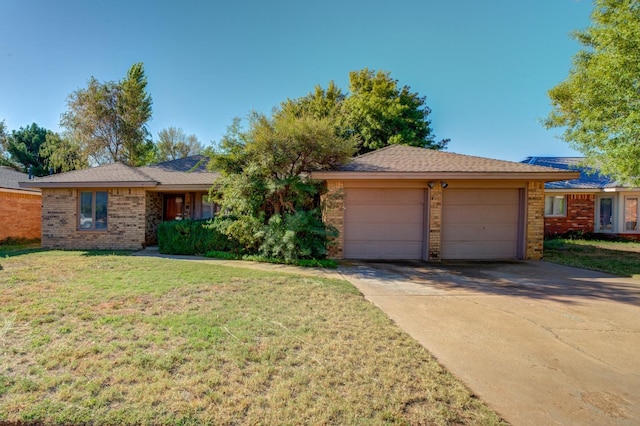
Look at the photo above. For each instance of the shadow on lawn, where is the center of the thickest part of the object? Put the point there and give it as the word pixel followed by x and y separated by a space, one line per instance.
pixel 536 280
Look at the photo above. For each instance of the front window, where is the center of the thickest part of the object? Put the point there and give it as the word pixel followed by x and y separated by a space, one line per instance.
pixel 208 207
pixel 631 214
pixel 93 211
pixel 605 212
pixel 555 205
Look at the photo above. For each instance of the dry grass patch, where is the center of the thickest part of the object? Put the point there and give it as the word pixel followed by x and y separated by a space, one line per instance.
pixel 112 339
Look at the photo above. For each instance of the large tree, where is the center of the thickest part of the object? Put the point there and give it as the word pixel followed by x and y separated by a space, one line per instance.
pixel 265 186
pixel 376 110
pixel 174 143
pixel 23 149
pixel 598 105
pixel 109 120
pixel 4 155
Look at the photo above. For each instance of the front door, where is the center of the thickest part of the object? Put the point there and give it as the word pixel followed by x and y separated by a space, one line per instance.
pixel 173 207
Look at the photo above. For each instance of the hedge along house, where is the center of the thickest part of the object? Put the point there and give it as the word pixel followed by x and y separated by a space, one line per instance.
pixel 115 206
pixel 591 203
pixel 403 202
pixel 20 208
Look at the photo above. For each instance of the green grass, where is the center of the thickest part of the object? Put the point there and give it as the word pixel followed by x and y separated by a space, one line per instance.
pixel 614 257
pixel 106 338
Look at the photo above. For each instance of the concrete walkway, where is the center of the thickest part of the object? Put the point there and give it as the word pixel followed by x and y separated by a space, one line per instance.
pixel 542 344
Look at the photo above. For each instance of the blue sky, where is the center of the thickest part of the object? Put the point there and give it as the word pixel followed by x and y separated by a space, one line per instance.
pixel 484 66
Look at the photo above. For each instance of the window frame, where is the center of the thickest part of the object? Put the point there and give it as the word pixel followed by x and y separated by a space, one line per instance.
pixel 553 204
pixel 637 222
pixel 612 214
pixel 94 212
pixel 209 205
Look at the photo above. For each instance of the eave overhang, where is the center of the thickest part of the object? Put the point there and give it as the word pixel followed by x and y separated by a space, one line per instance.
pixel 537 176
pixel 100 184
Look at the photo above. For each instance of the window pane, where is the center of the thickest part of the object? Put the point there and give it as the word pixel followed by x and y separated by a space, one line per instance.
pixel 548 205
pixel 101 210
pixel 86 210
pixel 606 214
pixel 559 207
pixel 630 214
pixel 207 207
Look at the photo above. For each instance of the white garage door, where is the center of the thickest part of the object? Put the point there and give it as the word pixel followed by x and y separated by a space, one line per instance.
pixel 480 224
pixel 384 223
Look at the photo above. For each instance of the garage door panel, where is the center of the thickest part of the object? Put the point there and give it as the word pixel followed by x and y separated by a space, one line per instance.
pixel 387 232
pixel 385 196
pixel 379 250
pixel 384 214
pixel 479 232
pixel 483 250
pixel 384 223
pixel 480 223
pixel 482 214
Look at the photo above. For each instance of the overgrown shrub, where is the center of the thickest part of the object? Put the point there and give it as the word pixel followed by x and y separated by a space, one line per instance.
pixel 300 235
pixel 191 237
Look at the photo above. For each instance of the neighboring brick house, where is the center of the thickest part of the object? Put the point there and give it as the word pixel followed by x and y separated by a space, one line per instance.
pixel 119 207
pixel 403 202
pixel 19 207
pixel 592 203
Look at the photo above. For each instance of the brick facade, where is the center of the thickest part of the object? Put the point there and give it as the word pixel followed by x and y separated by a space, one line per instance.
pixel 535 221
pixel 333 215
pixel 126 220
pixel 20 215
pixel 580 216
pixel 153 217
pixel 435 222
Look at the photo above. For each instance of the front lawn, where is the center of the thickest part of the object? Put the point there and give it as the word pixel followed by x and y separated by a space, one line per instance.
pixel 614 257
pixel 105 338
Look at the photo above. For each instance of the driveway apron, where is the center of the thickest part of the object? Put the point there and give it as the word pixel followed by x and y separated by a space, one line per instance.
pixel 540 343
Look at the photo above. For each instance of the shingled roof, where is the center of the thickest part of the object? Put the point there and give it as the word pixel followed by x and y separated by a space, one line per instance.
pixel 589 178
pixel 185 172
pixel 401 161
pixel 10 179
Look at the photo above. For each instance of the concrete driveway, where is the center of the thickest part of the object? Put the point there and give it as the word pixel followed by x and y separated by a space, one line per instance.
pixel 540 343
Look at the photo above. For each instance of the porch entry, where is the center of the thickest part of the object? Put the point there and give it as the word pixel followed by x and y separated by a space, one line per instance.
pixel 190 205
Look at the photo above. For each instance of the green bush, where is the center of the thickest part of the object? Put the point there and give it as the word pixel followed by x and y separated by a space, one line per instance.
pixel 191 237
pixel 301 235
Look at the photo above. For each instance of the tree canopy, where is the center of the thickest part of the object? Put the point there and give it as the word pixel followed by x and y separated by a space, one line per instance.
pixel 108 121
pixel 173 143
pixel 23 147
pixel 377 111
pixel 598 105
pixel 265 186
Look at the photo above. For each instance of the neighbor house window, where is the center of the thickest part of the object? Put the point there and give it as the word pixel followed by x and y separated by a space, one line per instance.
pixel 631 214
pixel 555 205
pixel 605 214
pixel 93 210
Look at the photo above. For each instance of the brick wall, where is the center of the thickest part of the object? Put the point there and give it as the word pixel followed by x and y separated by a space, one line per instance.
pixel 435 222
pixel 580 216
pixel 153 217
pixel 333 215
pixel 126 221
pixel 20 215
pixel 535 221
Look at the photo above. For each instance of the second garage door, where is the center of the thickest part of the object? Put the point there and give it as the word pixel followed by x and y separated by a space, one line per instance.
pixel 384 223
pixel 481 224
